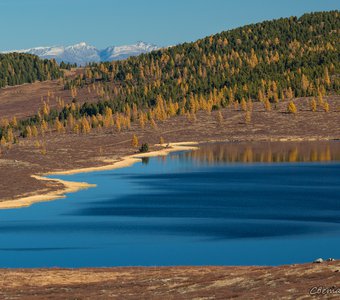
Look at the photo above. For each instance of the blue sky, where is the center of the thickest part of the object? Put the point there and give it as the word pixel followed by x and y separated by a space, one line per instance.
pixel 30 23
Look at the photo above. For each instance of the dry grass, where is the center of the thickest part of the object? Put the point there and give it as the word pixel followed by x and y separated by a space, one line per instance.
pixel 284 282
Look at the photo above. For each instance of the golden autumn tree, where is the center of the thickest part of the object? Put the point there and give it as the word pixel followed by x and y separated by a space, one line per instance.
pixel 243 104
pixel 267 105
pixel 118 123
pixel 219 118
pixel 108 120
pixel 14 122
pixel 28 131
pixel 289 93
pixel 247 117
pixel 70 121
pixel 58 126
pixel 291 108
pixel 320 98
pixel 313 105
pixel 43 127
pixel 304 83
pixel 142 120
pixel 326 106
pixel 85 125
pixel 45 109
pixel 76 128
pixel 10 136
pixel 327 78
pixel 249 105
pixel 34 131
pixel 134 141
pixel 153 124
pixel 3 141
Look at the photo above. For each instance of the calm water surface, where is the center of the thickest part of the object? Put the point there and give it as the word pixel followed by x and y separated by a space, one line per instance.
pixel 239 204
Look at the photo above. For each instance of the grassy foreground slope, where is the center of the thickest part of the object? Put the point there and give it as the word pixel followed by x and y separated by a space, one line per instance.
pixel 283 282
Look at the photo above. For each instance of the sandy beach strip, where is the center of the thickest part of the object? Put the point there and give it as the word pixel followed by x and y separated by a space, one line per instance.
pixel 72 187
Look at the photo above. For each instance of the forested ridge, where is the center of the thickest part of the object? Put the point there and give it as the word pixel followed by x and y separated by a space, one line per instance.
pixel 285 57
pixel 268 62
pixel 19 68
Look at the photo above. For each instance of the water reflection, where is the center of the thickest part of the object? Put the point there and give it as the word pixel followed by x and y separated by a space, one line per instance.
pixel 145 160
pixel 273 152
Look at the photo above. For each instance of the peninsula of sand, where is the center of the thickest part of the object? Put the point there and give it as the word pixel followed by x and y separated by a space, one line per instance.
pixel 72 187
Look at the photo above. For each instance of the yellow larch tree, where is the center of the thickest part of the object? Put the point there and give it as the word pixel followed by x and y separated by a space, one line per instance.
pixel 142 120
pixel 3 141
pixel 58 126
pixel 134 141
pixel 247 117
pixel 327 78
pixel 326 106
pixel 153 124
pixel 313 105
pixel 243 104
pixel 34 131
pixel 267 105
pixel 10 136
pixel 291 108
pixel 85 125
pixel 219 118
pixel 43 127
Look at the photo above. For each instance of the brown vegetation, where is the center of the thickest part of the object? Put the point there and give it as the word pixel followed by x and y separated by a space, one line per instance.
pixel 283 282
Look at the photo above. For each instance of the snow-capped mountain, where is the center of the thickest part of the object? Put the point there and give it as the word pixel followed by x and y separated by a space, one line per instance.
pixel 82 53
pixel 123 52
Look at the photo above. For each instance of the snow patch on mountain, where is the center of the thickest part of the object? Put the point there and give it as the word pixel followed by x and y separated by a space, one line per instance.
pixel 82 53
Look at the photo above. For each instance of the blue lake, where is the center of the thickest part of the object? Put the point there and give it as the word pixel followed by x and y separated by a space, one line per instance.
pixel 246 204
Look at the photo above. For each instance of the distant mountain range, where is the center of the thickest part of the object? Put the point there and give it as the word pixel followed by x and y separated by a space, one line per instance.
pixel 82 53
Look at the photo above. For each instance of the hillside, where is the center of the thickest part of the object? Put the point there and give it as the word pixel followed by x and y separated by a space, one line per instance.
pixel 20 68
pixel 278 59
pixel 268 62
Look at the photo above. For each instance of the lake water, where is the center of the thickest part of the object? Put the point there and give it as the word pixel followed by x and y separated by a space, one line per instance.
pixel 224 204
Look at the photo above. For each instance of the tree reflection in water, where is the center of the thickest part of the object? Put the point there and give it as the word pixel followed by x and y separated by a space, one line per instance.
pixel 265 152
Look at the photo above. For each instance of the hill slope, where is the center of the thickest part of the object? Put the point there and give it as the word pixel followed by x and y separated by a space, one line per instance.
pixel 20 68
pixel 273 60
pixel 267 62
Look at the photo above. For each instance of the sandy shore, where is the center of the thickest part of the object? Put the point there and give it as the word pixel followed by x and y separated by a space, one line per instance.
pixel 72 187
pixel 69 187
pixel 129 160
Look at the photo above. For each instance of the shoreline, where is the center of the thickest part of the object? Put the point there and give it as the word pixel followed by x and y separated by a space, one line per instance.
pixel 73 187
pixel 125 161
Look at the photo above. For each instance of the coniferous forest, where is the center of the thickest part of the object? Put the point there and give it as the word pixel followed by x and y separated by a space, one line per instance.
pixel 286 57
pixel 19 68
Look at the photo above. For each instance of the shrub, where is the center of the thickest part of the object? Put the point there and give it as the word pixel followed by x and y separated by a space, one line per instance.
pixel 144 148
